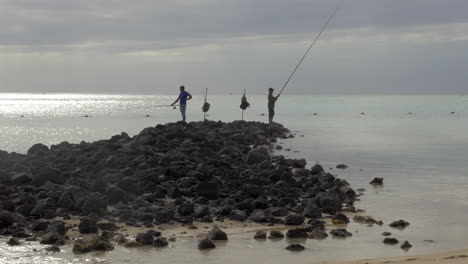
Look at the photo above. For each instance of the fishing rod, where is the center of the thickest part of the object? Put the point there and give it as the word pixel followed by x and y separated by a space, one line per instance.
pixel 151 106
pixel 310 47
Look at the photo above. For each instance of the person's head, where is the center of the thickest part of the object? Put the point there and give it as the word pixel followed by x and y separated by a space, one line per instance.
pixel 270 90
pixel 182 88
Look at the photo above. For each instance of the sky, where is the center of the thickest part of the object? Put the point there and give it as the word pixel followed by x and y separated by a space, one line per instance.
pixel 154 46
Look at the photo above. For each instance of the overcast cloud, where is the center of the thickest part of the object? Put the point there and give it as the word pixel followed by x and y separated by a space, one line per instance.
pixel 151 46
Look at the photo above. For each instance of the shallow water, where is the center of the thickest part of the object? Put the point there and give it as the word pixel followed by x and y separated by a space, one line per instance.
pixel 422 157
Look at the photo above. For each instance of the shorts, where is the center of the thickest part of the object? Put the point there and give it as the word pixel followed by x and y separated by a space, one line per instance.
pixel 183 108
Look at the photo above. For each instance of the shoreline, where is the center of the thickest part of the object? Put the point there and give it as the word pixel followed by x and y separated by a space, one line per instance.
pixel 446 257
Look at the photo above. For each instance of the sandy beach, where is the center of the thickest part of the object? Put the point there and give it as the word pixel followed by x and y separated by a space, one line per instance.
pixel 448 257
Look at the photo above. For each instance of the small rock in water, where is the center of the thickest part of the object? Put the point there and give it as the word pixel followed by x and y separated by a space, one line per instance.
pixel 206 244
pixel 340 233
pixel 297 233
pixel 217 234
pixel 276 235
pixel 52 249
pixel 144 238
pixel 386 234
pixel 295 247
pixel 340 219
pixel 406 245
pixel 390 241
pixel 377 181
pixel 160 242
pixel 401 224
pixel 13 242
pixel 341 166
pixel 318 233
pixel 260 235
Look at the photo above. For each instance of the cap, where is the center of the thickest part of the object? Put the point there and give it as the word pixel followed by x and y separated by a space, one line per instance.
pixel 270 89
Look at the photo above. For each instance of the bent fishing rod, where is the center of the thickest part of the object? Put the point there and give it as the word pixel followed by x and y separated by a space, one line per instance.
pixel 151 106
pixel 310 47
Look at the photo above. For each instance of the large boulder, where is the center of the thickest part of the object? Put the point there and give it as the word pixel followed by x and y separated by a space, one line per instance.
pixel 208 189
pixel 257 155
pixel 6 219
pixel 217 234
pixel 295 219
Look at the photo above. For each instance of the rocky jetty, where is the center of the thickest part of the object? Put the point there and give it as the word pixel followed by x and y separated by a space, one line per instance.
pixel 173 173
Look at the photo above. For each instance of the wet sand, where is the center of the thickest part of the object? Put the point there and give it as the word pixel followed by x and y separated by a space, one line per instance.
pixel 449 257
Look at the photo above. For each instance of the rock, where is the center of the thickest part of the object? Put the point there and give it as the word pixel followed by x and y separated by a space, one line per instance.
pixel 237 215
pixel 275 235
pixel 295 247
pixel 56 227
pixel 21 178
pixel 295 219
pixel 341 166
pixel 6 219
pixel 52 239
pixel 217 234
pixel 377 181
pixel 53 248
pixel 160 242
pixel 401 224
pixel 364 219
pixel 13 242
pixel 316 169
pixel 406 245
pixel 88 226
pixel 318 233
pixel 208 189
pixel 206 244
pixel 390 241
pixel 144 238
pixel 257 156
pixel 80 248
pixel 312 211
pixel 259 216
pixel 340 219
pixel 340 233
pixel 121 239
pixel 260 235
pixel 386 234
pixel 297 233
pixel 38 148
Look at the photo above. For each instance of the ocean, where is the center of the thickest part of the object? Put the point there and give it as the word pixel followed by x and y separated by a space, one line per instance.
pixel 418 144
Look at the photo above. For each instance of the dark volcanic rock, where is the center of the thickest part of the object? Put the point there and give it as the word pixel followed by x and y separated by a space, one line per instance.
pixel 13 242
pixel 160 242
pixel 340 233
pixel 340 219
pixel 295 247
pixel 144 238
pixel 295 219
pixel 390 241
pixel 206 244
pixel 297 233
pixel 88 226
pixel 377 181
pixel 275 235
pixel 217 234
pixel 406 245
pixel 399 224
pixel 260 235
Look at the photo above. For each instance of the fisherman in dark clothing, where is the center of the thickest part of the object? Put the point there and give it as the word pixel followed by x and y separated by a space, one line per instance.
pixel 271 104
pixel 183 98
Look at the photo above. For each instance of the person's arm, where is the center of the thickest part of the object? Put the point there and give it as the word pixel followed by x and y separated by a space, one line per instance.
pixel 177 100
pixel 189 96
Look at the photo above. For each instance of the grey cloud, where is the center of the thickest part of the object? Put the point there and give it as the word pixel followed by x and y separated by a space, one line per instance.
pixel 55 22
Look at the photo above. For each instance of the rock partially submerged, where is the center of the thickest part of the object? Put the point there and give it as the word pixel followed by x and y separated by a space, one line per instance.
pixel 400 224
pixel 377 182
pixel 206 244
pixel 295 247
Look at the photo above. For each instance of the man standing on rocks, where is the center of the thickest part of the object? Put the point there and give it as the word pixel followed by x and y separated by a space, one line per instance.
pixel 271 104
pixel 183 98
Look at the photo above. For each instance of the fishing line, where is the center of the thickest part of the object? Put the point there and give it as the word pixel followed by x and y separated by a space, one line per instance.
pixel 310 47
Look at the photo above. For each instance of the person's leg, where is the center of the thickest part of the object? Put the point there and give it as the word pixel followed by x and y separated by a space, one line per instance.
pixel 183 108
pixel 271 114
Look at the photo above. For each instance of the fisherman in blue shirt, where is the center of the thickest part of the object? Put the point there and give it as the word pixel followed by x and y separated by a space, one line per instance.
pixel 183 98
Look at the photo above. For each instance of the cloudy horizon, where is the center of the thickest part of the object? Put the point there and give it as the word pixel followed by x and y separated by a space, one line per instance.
pixel 143 46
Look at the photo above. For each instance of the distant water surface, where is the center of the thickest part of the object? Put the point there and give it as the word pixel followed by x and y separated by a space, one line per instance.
pixel 423 157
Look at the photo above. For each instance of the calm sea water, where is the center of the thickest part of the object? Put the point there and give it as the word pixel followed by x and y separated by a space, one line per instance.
pixel 423 157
